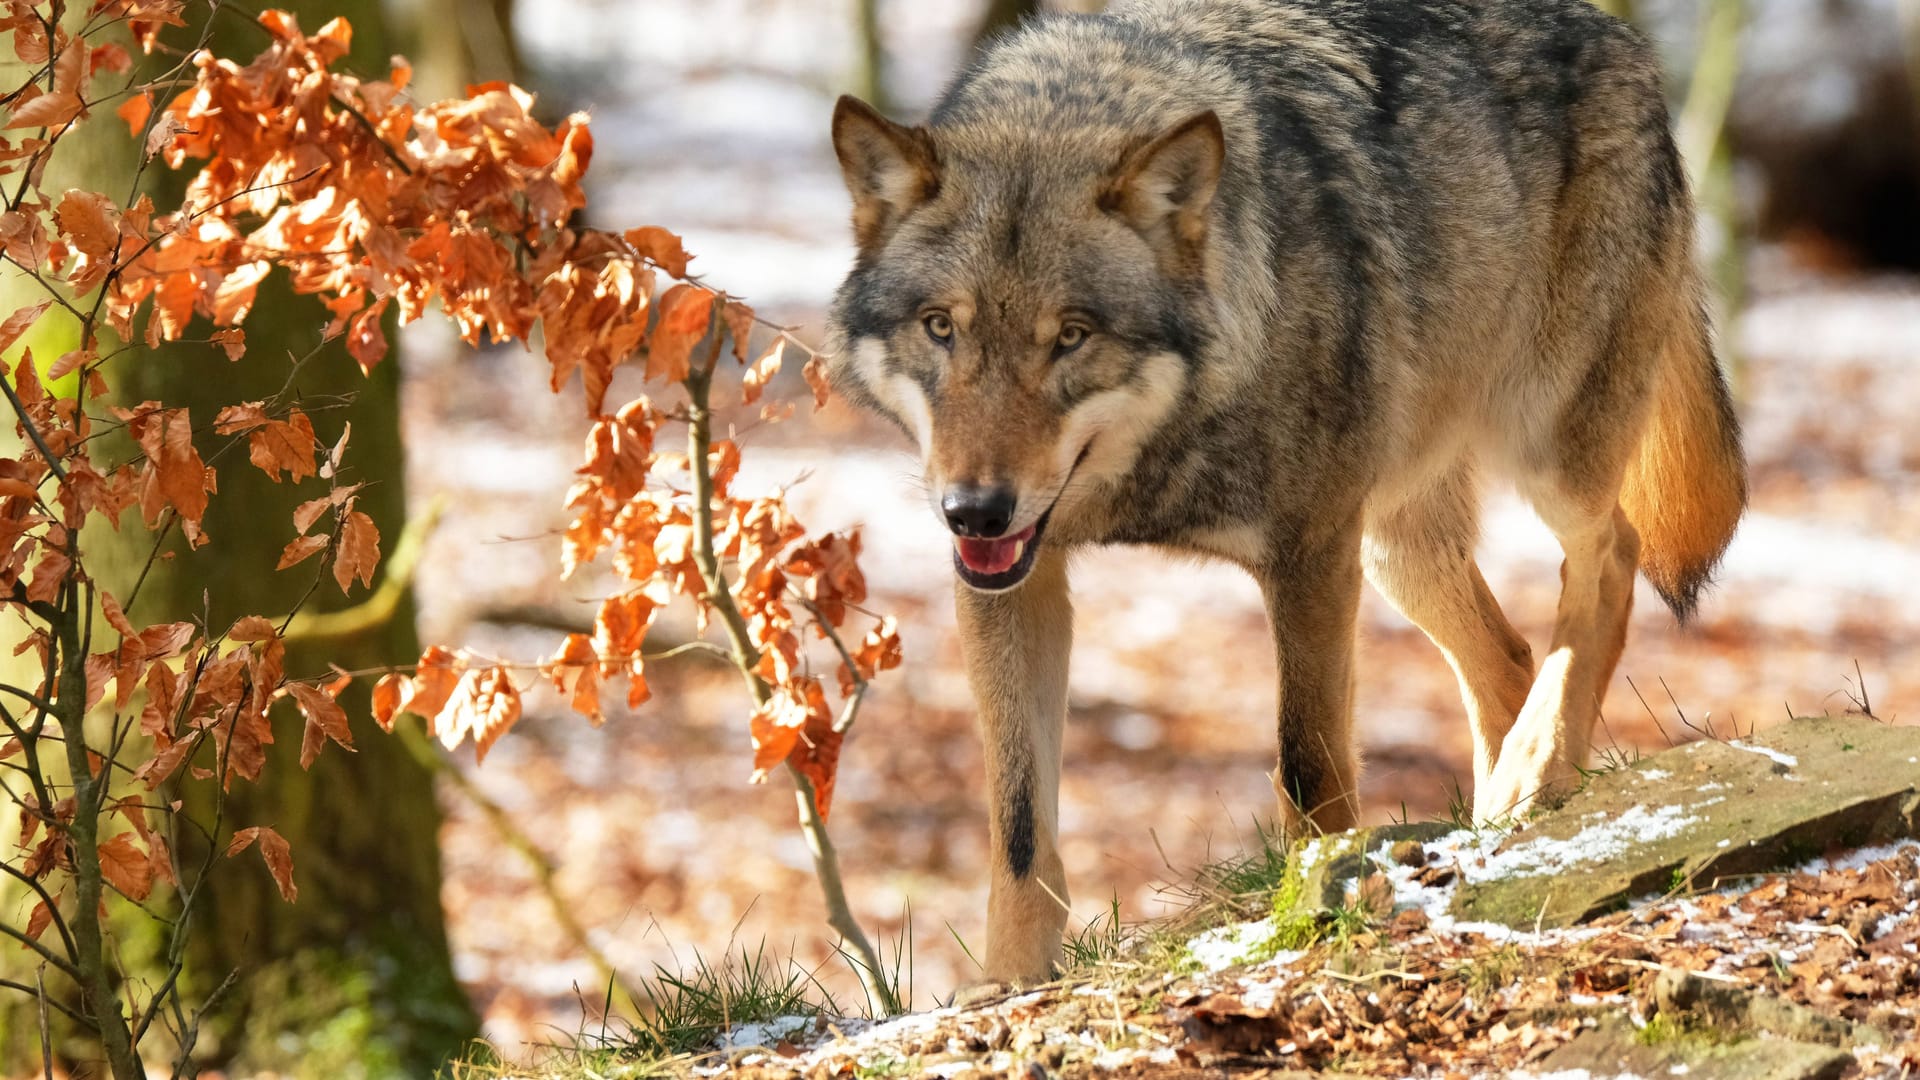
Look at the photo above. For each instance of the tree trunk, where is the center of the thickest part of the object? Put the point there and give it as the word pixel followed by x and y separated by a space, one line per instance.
pixel 355 979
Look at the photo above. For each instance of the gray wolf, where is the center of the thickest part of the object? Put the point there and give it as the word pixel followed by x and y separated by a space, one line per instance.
pixel 1277 281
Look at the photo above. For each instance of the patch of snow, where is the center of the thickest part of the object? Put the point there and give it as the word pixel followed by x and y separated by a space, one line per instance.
pixel 764 1033
pixel 1638 825
pixel 1655 774
pixel 1856 860
pixel 1765 751
pixel 1225 946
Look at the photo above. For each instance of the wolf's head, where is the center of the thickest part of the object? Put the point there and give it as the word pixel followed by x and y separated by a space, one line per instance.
pixel 1027 305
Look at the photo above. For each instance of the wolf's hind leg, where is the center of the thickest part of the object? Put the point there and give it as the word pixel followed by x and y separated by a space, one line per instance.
pixel 1543 753
pixel 1420 556
pixel 1017 645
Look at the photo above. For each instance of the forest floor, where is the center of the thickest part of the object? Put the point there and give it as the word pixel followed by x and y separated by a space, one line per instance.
pixel 663 850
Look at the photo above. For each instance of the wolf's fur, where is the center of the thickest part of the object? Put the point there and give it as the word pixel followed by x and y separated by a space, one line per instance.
pixel 1338 258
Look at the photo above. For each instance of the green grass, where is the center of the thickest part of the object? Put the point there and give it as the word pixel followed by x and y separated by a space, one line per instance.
pixel 681 1015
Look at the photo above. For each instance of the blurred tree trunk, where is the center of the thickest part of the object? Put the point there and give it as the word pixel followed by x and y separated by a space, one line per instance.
pixel 871 83
pixel 356 978
pixel 455 43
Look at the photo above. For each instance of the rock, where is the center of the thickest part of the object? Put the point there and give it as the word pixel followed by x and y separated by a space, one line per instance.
pixel 1616 1048
pixel 1332 866
pixel 1730 1007
pixel 1408 853
pixel 1699 813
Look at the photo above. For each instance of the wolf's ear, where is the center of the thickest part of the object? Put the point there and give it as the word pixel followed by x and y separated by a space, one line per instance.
pixel 890 169
pixel 1165 187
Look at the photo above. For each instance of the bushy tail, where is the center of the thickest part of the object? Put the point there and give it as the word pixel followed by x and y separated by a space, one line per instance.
pixel 1687 484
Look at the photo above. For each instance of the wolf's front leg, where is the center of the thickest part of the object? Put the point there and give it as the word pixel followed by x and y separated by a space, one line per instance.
pixel 1016 646
pixel 1312 587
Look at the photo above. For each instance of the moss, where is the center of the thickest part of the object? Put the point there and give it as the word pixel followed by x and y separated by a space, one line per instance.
pixel 1663 1029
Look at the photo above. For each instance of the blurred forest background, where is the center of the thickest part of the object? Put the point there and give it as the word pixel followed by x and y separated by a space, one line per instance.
pixel 710 118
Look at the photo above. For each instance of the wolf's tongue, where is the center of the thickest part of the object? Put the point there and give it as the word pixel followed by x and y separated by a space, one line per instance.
pixel 993 556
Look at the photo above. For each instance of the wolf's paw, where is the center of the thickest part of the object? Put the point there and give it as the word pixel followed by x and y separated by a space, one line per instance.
pixel 1517 786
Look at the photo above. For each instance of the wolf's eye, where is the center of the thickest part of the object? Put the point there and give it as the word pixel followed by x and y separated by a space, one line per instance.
pixel 939 326
pixel 1071 337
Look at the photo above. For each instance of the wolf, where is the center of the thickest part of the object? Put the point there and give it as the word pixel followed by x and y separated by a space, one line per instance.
pixel 1279 282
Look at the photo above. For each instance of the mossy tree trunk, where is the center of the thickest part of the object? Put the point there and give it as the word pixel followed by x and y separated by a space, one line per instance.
pixel 355 979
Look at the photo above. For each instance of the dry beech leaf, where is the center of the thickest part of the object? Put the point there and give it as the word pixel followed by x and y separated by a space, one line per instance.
pixel 575 671
pixel 89 221
pixel 284 444
pixel 685 313
pixel 279 860
pixel 47 110
pixel 435 678
pixel 18 322
pixel 39 920
pixel 325 720
pixel 661 248
pixel 233 340
pixel 135 111
pixel 816 373
pixel 302 549
pixel 754 381
pixel 390 696
pixel 126 867
pixel 241 840
pixel 359 551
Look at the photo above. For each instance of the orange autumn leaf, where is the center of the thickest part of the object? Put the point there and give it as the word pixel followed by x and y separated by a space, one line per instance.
pixel 325 720
pixel 754 380
pixel 135 111
pixel 435 678
pixel 575 671
pixel 496 708
pixel 284 445
pixel 89 222
pixel 661 248
pixel 359 551
pixel 278 856
pixel 47 110
pixel 390 696
pixel 38 920
pixel 300 550
pixel 126 867
pixel 685 313
pixel 815 371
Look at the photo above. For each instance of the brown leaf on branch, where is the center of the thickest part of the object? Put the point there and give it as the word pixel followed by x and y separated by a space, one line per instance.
pixel 754 380
pixel 390 696
pixel 47 110
pixel 325 720
pixel 284 444
pixel 685 313
pixel 575 671
pixel 496 708
pixel 279 859
pixel 300 550
pixel 435 678
pixel 89 221
pixel 126 867
pixel 359 551
pixel 18 322
pixel 816 373
pixel 661 248
pixel 40 918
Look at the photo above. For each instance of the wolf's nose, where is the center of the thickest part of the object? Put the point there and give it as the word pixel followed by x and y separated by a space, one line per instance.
pixel 982 512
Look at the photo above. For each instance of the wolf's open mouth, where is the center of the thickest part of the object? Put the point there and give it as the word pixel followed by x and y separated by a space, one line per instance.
pixel 999 563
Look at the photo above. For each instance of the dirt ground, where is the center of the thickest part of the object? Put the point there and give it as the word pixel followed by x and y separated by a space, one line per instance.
pixel 663 848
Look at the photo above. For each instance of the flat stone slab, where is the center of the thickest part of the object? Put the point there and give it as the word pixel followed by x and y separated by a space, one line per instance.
pixel 1699 813
pixel 1616 1048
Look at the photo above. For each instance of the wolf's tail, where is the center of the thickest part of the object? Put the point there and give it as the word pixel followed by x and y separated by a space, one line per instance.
pixel 1687 485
